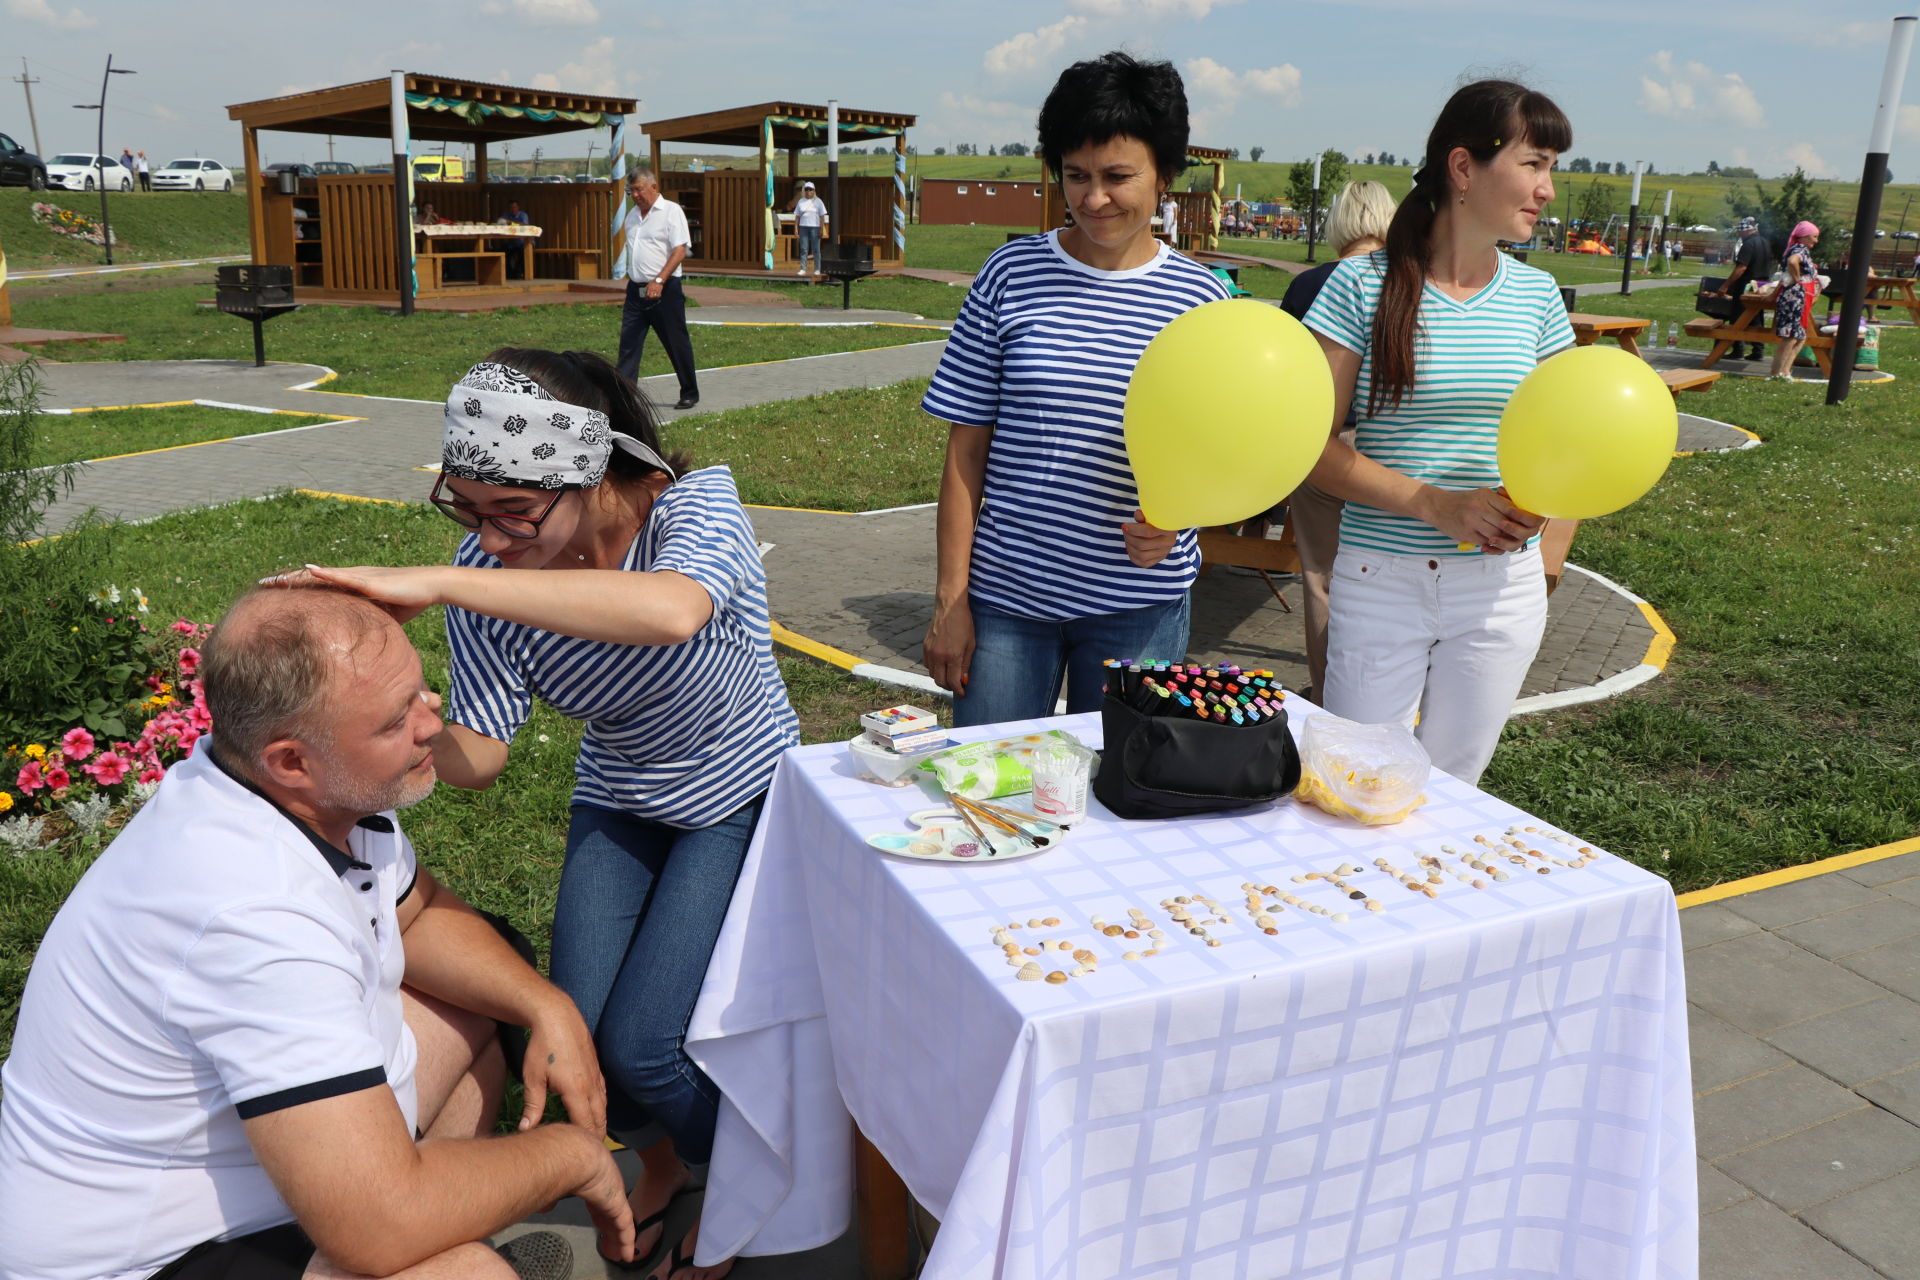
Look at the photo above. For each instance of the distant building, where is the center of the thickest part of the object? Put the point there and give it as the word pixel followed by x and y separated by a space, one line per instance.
pixel 948 202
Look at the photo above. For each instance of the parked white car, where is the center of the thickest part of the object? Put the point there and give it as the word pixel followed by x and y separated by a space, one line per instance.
pixel 84 171
pixel 193 173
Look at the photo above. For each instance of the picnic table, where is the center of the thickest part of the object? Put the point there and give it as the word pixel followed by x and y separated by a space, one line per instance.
pixel 1484 1082
pixel 1884 292
pixel 1746 327
pixel 442 241
pixel 1589 329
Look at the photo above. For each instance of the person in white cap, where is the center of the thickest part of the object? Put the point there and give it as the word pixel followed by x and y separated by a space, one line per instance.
pixel 810 218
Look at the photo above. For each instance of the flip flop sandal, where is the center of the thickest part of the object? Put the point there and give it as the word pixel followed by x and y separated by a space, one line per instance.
pixel 640 1228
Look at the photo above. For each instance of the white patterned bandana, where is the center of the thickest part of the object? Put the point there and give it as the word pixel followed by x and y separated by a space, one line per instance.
pixel 504 428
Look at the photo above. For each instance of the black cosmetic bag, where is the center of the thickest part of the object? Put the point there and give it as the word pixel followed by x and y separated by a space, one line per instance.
pixel 1171 766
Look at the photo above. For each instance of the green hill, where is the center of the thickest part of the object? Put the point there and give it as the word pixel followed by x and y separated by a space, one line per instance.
pixel 150 227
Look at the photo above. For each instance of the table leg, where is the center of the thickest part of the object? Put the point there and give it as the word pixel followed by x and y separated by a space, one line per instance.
pixel 1628 344
pixel 1720 347
pixel 880 1203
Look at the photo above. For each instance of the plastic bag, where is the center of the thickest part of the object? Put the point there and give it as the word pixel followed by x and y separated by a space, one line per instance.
pixel 1375 774
pixel 989 770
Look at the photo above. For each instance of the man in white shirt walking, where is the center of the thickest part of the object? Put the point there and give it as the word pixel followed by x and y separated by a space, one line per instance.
pixel 810 220
pixel 1170 220
pixel 657 243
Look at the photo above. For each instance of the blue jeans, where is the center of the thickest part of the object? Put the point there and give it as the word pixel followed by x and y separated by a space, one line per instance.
pixel 810 245
pixel 639 911
pixel 1019 663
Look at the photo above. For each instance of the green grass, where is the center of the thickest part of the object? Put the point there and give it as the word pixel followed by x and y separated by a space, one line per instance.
pixel 150 227
pixel 78 437
pixel 845 451
pixel 501 848
pixel 380 354
pixel 929 298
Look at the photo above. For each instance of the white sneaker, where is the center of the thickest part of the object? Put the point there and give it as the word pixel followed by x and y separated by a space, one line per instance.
pixel 802 271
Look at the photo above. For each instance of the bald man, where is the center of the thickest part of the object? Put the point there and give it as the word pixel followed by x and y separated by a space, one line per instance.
pixel 259 1039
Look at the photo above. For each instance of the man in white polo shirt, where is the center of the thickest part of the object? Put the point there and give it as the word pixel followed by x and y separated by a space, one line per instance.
pixel 657 243
pixel 217 1071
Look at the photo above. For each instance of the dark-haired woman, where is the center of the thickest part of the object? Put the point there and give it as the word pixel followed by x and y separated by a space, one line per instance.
pixel 1428 339
pixel 1046 565
pixel 626 592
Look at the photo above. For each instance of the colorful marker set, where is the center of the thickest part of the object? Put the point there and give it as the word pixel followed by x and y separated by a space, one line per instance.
pixel 1222 695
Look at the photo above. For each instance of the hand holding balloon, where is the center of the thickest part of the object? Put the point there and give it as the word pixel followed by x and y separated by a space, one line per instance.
pixel 1147 545
pixel 1482 519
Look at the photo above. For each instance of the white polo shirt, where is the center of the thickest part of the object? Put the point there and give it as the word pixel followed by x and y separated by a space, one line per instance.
pixel 652 237
pixel 220 961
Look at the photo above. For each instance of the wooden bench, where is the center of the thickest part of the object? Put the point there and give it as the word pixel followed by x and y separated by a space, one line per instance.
pixel 1747 328
pixel 489 268
pixel 1679 380
pixel 575 264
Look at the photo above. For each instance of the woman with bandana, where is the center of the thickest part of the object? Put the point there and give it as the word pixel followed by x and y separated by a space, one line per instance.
pixel 626 592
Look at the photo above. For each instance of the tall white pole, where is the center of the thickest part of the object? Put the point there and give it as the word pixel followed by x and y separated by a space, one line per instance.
pixel 833 175
pixel 1873 181
pixel 402 192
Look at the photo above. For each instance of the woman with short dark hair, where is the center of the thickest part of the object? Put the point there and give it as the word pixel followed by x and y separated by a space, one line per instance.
pixel 1438 597
pixel 1046 565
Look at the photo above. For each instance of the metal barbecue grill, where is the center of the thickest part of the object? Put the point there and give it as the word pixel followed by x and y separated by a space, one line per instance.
pixel 255 292
pixel 846 263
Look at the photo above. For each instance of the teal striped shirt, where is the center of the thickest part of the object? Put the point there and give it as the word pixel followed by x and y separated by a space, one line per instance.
pixel 1468 358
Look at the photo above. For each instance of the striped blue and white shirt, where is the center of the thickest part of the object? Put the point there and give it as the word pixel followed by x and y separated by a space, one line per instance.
pixel 679 734
pixel 1468 358
pixel 1042 353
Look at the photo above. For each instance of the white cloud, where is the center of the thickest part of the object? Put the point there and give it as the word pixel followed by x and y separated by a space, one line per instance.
pixel 1801 155
pixel 41 11
pixel 1694 91
pixel 1846 35
pixel 1029 49
pixel 1209 79
pixel 595 71
pixel 547 13
pixel 1907 123
pixel 1149 9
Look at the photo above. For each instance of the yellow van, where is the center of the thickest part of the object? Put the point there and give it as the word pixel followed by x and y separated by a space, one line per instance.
pixel 439 169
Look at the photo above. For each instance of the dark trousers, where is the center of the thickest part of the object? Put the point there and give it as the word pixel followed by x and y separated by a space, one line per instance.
pixel 667 316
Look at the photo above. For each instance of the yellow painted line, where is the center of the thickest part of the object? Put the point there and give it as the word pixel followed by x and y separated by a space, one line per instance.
pixel 195 444
pixel 1787 875
pixel 115 408
pixel 1661 647
pixel 351 497
pixel 813 648
pixel 815 511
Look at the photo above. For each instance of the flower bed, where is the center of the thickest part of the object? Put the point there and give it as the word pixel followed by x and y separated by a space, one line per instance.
pixel 81 784
pixel 66 222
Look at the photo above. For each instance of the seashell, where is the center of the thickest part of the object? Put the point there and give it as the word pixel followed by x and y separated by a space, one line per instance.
pixel 1156 933
pixel 1546 871
pixel 1051 922
pixel 1272 932
pixel 1300 879
pixel 1081 970
pixel 1374 904
pixel 1016 961
pixel 1113 931
pixel 1057 977
pixel 1085 957
pixel 1130 955
pixel 1131 933
pixel 1479 884
pixel 1030 972
pixel 1271 891
pixel 1183 901
pixel 1264 921
pixel 1032 951
pixel 1151 951
pixel 1035 923
pixel 1099 922
pixel 1213 942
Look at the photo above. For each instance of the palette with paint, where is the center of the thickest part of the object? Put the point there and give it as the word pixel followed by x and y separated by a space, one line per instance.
pixel 939 835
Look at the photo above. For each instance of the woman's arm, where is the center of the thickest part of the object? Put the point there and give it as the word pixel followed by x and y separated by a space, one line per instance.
pixel 468 759
pixel 948 651
pixel 610 605
pixel 1479 516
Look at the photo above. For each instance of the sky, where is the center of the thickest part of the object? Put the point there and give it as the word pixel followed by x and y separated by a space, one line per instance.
pixel 1759 83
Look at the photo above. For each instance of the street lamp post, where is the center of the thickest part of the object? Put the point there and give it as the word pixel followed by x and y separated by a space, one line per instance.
pixel 100 150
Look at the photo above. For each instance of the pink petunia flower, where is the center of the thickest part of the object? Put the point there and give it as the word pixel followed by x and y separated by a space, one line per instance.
pixel 31 779
pixel 151 774
pixel 198 688
pixel 199 717
pixel 107 769
pixel 184 627
pixel 77 743
pixel 189 661
pixel 59 779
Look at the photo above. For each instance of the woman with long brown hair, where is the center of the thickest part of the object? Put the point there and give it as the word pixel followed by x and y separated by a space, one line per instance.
pixel 1438 599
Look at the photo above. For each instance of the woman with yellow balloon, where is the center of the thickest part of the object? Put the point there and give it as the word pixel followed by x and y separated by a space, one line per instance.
pixel 1438 600
pixel 1046 564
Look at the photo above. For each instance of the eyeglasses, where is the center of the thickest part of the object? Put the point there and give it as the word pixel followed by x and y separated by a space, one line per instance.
pixel 468 516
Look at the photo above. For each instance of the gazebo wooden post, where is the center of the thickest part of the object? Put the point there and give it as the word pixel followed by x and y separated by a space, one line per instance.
pixel 480 172
pixel 769 225
pixel 1214 201
pixel 256 194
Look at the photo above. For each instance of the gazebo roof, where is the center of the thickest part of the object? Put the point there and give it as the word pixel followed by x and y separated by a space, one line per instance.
pixel 795 124
pixel 1208 153
pixel 439 109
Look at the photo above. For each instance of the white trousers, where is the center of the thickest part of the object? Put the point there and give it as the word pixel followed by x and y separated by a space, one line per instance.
pixel 1447 639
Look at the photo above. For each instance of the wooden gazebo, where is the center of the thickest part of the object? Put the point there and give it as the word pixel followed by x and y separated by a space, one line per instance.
pixel 340 234
pixel 1199 210
pixel 733 215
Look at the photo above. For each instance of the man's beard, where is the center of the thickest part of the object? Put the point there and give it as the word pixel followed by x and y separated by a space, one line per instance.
pixel 364 797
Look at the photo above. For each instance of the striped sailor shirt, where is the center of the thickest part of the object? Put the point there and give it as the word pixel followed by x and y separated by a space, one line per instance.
pixel 678 734
pixel 1468 358
pixel 1042 353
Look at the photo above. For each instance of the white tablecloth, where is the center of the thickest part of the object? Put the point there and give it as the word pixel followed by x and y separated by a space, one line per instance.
pixel 1488 1084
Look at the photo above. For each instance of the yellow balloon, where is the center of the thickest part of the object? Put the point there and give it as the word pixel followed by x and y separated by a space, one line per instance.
pixel 1586 433
pixel 1226 414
